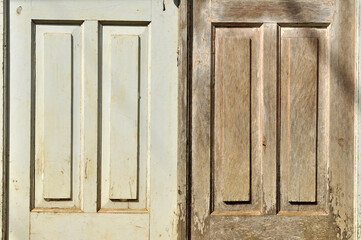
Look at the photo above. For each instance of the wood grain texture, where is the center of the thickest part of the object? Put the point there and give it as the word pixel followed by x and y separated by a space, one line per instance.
pixel 300 121
pixel 237 126
pixel 235 101
pixel 341 135
pixel 272 227
pixel 184 106
pixel 304 118
pixel 325 211
pixel 269 101
pixel 267 11
pixel 357 194
pixel 201 116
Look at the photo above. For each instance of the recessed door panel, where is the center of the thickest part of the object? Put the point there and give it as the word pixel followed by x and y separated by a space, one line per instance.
pixel 124 117
pixel 92 120
pixel 304 118
pixel 56 111
pixel 237 118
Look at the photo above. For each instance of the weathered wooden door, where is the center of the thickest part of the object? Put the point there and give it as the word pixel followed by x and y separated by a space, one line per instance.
pixel 272 119
pixel 93 134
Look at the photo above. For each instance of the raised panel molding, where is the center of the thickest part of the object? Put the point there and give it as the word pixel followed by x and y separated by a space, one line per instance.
pixel 57 114
pixel 238 115
pixel 237 119
pixel 124 120
pixel 304 119
pixel 56 110
pixel 123 160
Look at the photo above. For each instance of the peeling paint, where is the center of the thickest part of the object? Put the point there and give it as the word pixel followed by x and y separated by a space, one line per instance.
pixel 340 215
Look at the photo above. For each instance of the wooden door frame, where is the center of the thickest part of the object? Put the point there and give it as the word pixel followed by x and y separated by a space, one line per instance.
pixel 357 120
pixel 184 110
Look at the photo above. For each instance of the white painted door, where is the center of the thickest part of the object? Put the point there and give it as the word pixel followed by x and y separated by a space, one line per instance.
pixel 93 119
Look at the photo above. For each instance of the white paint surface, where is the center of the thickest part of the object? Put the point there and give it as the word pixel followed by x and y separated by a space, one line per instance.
pixel 74 202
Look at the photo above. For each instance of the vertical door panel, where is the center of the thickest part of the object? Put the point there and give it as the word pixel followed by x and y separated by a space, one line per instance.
pixel 57 158
pixel 124 117
pixel 304 118
pixel 236 118
pixel 57 115
pixel 236 168
pixel 303 90
pixel 123 121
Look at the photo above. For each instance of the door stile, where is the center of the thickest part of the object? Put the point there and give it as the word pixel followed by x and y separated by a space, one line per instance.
pixel 163 121
pixel 201 119
pixel 90 92
pixel 19 129
pixel 269 117
pixel 20 117
pixel 341 114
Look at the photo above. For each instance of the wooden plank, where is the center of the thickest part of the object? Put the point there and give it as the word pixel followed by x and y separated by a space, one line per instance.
pixel 235 107
pixel 201 116
pixel 263 11
pixel 184 27
pixel 57 155
pixel 341 124
pixel 124 108
pixel 273 227
pixel 269 117
pixel 302 115
pixel 304 78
